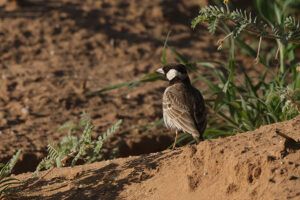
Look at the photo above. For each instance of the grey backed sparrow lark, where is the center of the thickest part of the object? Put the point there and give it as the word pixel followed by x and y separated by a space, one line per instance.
pixel 183 105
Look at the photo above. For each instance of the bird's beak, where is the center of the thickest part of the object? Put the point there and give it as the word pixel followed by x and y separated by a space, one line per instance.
pixel 160 70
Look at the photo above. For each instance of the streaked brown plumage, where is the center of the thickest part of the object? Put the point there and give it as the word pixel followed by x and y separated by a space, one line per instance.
pixel 183 105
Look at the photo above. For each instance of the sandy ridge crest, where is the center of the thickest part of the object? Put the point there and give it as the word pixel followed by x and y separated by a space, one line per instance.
pixel 246 166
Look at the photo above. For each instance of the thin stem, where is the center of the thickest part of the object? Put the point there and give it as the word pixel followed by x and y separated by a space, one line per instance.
pixel 63 161
pixel 271 36
pixel 35 182
pixel 221 41
pixel 277 52
pixel 282 63
pixel 258 50
pixel 227 7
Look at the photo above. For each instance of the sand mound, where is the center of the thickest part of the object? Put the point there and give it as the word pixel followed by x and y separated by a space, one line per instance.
pixel 53 52
pixel 251 165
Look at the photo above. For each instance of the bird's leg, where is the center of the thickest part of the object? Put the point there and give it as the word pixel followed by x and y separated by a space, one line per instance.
pixel 175 140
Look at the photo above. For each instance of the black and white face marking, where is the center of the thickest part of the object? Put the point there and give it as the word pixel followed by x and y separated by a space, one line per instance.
pixel 173 71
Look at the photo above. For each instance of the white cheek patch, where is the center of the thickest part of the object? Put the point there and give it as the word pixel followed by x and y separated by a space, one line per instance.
pixel 174 73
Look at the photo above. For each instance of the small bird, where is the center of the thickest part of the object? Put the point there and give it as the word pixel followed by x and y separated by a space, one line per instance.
pixel 183 105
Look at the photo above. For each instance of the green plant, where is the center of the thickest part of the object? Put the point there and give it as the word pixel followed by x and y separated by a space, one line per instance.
pixel 71 146
pixel 278 14
pixel 6 169
pixel 285 30
pixel 250 105
pixel 242 103
pixel 246 105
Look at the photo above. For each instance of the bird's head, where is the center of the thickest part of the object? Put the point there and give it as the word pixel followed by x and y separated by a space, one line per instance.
pixel 174 73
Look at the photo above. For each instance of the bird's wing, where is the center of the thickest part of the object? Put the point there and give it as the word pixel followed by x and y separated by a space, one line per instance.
pixel 180 114
pixel 200 111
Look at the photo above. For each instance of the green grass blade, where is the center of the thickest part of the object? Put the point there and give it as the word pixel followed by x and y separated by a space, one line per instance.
pixel 131 86
pixel 110 88
pixel 158 123
pixel 221 115
pixel 152 77
pixel 219 99
pixel 214 88
pixel 182 59
pixel 231 61
pixel 210 64
pixel 249 83
pixel 235 104
pixel 261 81
pixel 164 59
pixel 147 78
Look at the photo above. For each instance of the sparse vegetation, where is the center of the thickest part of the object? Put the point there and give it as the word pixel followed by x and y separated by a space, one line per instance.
pixel 240 104
pixel 54 54
pixel 248 103
pixel 71 146
pixel 6 183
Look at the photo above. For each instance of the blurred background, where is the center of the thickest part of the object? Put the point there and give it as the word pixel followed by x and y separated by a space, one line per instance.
pixel 54 52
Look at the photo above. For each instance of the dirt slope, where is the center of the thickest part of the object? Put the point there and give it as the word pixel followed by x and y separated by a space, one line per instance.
pixel 250 165
pixel 50 50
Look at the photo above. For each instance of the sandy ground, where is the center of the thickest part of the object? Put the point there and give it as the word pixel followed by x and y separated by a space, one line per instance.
pixel 251 165
pixel 53 52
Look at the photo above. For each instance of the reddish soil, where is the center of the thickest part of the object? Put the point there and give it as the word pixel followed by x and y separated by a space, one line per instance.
pixel 53 52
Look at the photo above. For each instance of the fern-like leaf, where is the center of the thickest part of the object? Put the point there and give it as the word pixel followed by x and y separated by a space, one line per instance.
pixel 53 152
pixel 211 14
pixel 292 28
pixel 67 125
pixel 82 149
pixel 113 129
pixel 71 145
pixel 50 160
pixel 5 184
pixel 109 132
pixel 243 20
pixel 213 25
pixel 286 32
pixel 237 31
pixel 197 20
pixel 84 119
pixel 291 23
pixel 84 140
pixel 99 145
pixel 14 160
pixel 7 168
pixel 277 30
